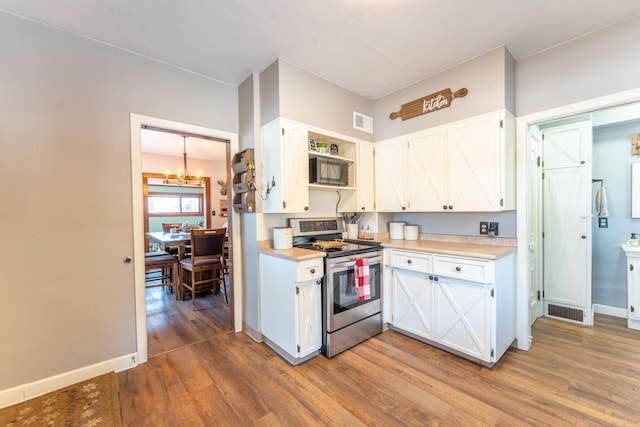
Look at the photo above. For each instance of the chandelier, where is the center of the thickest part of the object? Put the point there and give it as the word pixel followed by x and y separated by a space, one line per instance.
pixel 183 177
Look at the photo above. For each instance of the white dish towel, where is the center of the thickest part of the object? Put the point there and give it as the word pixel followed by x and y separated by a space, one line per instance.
pixel 601 203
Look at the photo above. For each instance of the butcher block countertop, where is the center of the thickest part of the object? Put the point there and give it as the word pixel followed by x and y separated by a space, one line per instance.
pixel 466 246
pixel 457 248
pixel 296 254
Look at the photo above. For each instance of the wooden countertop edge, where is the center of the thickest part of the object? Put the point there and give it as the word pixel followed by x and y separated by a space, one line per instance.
pixel 295 254
pixel 441 247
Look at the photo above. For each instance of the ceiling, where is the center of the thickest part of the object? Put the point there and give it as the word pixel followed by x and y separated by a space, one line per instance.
pixel 371 47
pixel 171 144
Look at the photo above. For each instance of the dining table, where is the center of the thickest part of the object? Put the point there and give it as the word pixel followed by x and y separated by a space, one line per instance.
pixel 165 240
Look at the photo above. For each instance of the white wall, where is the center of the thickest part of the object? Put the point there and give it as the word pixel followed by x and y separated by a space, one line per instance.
pixel 65 168
pixel 485 76
pixel 599 64
pixel 612 160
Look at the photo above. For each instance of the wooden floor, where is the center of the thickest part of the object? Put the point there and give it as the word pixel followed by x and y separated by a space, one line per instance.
pixel 573 375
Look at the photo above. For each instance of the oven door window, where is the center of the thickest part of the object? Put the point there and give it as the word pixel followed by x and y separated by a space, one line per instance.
pixel 345 294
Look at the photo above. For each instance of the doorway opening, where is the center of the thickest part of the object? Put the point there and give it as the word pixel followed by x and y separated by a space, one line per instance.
pixel 605 114
pixel 200 209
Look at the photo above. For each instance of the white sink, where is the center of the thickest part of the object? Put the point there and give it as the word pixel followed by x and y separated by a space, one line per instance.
pixel 635 250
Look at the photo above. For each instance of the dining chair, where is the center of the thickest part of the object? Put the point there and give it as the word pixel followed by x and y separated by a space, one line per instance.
pixel 161 270
pixel 205 267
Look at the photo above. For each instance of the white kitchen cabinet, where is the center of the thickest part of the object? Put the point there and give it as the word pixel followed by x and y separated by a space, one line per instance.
pixel 365 178
pixel 390 172
pixel 411 172
pixel 633 286
pixel 465 317
pixel 481 164
pixel 466 166
pixel 460 304
pixel 291 306
pixel 426 178
pixel 285 167
pixel 412 293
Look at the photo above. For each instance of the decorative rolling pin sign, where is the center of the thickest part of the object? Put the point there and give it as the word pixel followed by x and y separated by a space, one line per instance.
pixel 428 103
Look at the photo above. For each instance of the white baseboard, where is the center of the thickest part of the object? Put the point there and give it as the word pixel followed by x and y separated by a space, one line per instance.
pixel 610 311
pixel 27 391
pixel 255 335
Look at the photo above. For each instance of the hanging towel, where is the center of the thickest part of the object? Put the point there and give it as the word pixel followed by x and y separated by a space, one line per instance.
pixel 601 203
pixel 362 279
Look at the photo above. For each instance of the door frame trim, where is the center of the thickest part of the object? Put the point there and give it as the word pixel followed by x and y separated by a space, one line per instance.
pixel 136 123
pixel 523 331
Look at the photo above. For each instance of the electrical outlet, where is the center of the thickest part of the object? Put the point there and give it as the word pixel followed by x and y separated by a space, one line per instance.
pixel 493 226
pixel 484 228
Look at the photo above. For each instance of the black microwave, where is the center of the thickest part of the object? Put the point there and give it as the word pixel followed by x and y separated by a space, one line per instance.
pixel 328 171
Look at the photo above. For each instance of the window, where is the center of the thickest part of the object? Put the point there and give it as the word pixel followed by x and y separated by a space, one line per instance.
pixel 163 204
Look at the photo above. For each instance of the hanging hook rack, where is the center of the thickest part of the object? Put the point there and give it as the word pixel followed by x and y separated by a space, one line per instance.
pixel 601 181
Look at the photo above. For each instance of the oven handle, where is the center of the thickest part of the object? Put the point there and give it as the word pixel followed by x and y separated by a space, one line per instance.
pixel 352 263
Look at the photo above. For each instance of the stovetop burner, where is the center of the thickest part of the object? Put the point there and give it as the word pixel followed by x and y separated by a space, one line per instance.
pixel 307 231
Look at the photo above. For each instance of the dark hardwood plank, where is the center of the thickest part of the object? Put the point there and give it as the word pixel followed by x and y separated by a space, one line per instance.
pixel 573 375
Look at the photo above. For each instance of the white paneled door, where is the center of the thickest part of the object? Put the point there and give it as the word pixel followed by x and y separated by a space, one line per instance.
pixel 567 220
pixel 534 223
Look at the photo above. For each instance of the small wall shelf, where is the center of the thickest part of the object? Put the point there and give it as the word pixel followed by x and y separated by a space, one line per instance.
pixel 244 187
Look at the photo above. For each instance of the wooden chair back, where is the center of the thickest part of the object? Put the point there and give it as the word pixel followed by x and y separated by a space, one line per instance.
pixel 207 243
pixel 166 227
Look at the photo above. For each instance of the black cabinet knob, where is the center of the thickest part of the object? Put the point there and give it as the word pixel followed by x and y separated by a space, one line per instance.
pixel 435 278
pixel 404 208
pixel 430 277
pixel 306 208
pixel 313 271
pixel 409 261
pixel 450 207
pixel 445 207
pixel 458 269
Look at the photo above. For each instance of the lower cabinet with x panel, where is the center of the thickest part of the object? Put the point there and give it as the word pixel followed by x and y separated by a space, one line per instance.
pixel 459 304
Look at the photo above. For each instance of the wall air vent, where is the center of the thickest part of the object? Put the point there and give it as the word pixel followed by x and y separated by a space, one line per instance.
pixel 362 122
pixel 566 313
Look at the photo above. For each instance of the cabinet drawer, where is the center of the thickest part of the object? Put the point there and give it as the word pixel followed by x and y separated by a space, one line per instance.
pixel 411 261
pixel 474 270
pixel 310 269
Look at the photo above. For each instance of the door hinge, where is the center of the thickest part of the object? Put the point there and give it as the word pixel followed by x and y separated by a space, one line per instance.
pixel 538 295
pixel 501 123
pixel 502 203
pixel 493 293
pixel 539 161
pixel 543 172
pixel 632 309
pixel 298 347
pixel 282 131
pixel 492 353
pixel 543 234
pixel 630 267
pixel 297 290
pixel 542 294
pixel 284 205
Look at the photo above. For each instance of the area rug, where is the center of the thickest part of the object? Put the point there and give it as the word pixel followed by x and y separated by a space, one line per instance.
pixel 93 402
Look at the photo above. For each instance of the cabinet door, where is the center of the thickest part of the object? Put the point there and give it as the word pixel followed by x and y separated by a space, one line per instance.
pixel 464 314
pixel 566 219
pixel 295 170
pixel 427 171
pixel 390 175
pixel 412 302
pixel 309 317
pixel 567 146
pixel 285 168
pixel 365 166
pixel 476 164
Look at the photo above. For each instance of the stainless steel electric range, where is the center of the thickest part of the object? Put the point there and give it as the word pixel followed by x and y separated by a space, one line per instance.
pixel 346 319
